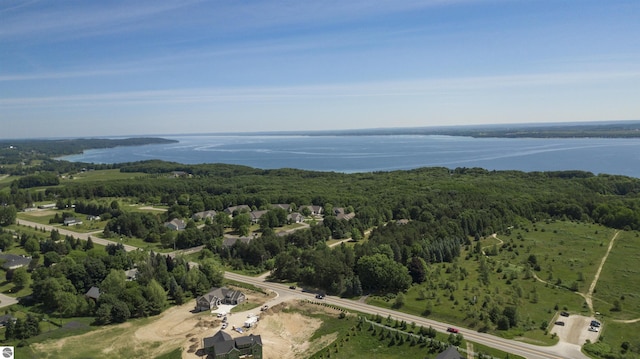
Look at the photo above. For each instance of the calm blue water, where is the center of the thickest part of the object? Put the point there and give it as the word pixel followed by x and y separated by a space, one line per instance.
pixel 384 153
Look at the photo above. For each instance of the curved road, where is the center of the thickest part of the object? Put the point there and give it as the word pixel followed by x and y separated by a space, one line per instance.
pixel 528 351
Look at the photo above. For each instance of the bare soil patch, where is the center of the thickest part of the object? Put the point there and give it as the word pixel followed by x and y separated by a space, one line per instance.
pixel 285 334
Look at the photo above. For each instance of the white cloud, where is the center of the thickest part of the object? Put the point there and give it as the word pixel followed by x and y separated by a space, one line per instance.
pixel 424 87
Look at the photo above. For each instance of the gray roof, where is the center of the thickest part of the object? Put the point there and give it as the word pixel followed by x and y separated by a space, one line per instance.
pixel 14 261
pixel 230 241
pixel 219 337
pixel 248 340
pixel 450 353
pixel 222 342
pixel 93 292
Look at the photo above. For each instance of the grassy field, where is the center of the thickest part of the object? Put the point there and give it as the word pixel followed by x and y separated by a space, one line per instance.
pixel 620 279
pixel 362 339
pixel 103 175
pixel 568 254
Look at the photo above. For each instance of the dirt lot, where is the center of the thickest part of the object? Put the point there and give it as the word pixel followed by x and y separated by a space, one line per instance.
pixel 575 330
pixel 284 335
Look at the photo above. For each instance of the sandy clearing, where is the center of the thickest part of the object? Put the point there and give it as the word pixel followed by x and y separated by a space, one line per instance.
pixel 285 334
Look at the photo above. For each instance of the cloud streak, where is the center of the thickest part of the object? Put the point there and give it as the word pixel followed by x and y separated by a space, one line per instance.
pixel 425 87
pixel 87 18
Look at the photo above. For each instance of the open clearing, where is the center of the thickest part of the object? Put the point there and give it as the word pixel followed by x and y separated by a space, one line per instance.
pixel 285 334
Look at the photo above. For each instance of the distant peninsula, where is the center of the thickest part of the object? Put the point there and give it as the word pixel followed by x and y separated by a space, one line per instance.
pixel 17 150
pixel 619 129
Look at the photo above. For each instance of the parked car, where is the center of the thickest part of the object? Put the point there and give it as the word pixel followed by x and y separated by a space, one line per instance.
pixel 264 307
pixel 564 314
pixel 225 325
pixel 319 296
pixel 224 319
pixel 560 324
pixel 595 323
pixel 594 329
pixel 292 287
pixel 453 330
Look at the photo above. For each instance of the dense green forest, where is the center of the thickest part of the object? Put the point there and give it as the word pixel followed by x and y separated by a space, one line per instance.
pixel 414 222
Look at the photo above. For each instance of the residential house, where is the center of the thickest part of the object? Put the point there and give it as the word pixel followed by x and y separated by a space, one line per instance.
pixel 93 218
pixel 14 261
pixel 177 174
pixel 286 207
pixel 131 274
pixel 450 353
pixel 402 222
pixel 295 217
pixel 47 206
pixel 204 215
pixel 93 293
pixel 176 224
pixel 5 319
pixel 341 214
pixel 230 241
pixel 256 215
pixel 238 209
pixel 217 296
pixel 72 221
pixel 223 346
pixel 315 210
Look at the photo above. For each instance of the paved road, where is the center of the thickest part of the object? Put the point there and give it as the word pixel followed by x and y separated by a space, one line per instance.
pixel 523 349
pixel 66 232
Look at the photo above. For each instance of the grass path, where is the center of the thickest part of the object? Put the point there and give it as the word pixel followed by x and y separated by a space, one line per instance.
pixel 589 296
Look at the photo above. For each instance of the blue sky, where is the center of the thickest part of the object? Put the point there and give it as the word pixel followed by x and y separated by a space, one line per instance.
pixel 107 68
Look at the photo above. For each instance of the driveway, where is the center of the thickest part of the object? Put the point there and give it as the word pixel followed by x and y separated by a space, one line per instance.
pixel 6 301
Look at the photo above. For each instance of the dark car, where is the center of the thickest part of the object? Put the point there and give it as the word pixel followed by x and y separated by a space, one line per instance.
pixel 595 323
pixel 319 296
pixel 453 330
pixel 560 324
pixel 564 314
pixel 292 287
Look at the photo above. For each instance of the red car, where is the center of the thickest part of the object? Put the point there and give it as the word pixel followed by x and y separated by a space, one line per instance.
pixel 452 330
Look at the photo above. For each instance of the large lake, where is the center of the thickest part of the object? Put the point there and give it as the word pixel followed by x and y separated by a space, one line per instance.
pixel 387 153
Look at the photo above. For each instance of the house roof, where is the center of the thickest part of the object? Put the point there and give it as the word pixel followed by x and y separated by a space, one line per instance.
pixel 231 209
pixel 220 293
pixel 450 353
pixel 286 207
pixel 176 223
pixel 248 340
pixel 93 292
pixel 346 216
pixel 205 214
pixel 230 241
pixel 255 215
pixel 222 342
pixel 6 318
pixel 14 261
pixel 219 337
